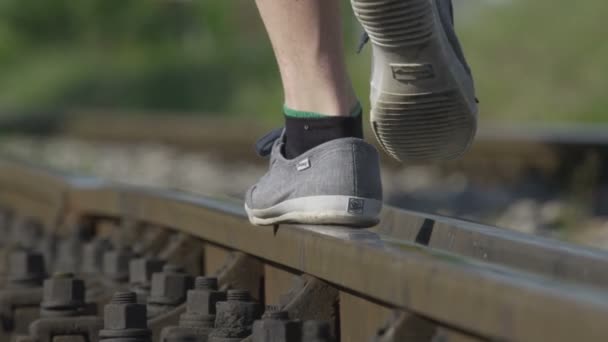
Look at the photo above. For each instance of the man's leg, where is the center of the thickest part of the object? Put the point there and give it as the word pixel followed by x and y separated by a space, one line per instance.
pixel 322 172
pixel 320 104
pixel 307 39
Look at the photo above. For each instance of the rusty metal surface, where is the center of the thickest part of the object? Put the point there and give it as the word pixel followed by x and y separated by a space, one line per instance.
pixel 552 258
pixel 310 298
pixel 531 253
pixel 457 291
pixel 241 271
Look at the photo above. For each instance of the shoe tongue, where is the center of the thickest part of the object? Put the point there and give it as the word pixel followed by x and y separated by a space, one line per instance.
pixel 263 146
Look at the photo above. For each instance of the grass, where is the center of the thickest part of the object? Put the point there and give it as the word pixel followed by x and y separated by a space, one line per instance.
pixel 541 60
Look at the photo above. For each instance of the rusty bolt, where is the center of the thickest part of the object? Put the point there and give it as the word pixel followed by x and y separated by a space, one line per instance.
pixel 123 312
pixel 234 318
pixel 116 264
pixel 141 270
pixel 93 254
pixel 316 331
pixel 206 283
pixel 125 319
pixel 170 286
pixel 69 254
pixel 205 295
pixel 26 269
pixel 201 330
pixel 63 295
pixel 140 274
pixel 200 303
pixel 275 326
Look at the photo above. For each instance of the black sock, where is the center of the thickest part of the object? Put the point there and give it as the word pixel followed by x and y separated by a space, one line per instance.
pixel 302 134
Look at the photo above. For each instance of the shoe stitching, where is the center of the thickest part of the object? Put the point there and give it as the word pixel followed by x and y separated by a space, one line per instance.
pixel 355 190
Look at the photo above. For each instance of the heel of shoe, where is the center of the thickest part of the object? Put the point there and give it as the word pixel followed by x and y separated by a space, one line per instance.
pixel 423 127
pixel 328 210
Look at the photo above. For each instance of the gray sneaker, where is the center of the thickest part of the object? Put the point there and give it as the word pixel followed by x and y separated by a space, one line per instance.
pixel 422 93
pixel 334 183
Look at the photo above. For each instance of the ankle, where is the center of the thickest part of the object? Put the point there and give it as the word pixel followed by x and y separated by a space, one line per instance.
pixel 330 101
pixel 323 109
pixel 306 130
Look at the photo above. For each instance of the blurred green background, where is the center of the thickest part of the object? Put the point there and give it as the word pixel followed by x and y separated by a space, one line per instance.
pixel 533 60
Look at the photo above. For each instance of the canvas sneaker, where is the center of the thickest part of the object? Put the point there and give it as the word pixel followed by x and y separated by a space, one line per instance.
pixel 422 93
pixel 336 183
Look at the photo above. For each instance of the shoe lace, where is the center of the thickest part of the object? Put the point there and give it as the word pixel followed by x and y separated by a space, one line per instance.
pixel 362 41
pixel 263 146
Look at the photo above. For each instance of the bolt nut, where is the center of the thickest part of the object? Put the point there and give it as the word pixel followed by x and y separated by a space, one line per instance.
pixel 170 286
pixel 235 317
pixel 276 326
pixel 239 296
pixel 141 270
pixel 116 264
pixel 206 283
pixel 69 255
pixel 26 268
pixel 124 313
pixel 93 255
pixel 63 292
pixel 204 297
pixel 197 321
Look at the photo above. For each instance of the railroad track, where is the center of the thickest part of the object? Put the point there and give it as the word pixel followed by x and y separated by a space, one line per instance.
pixel 536 179
pixel 501 151
pixel 546 147
pixel 167 266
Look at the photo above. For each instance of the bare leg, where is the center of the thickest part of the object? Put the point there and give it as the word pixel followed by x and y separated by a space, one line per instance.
pixel 307 39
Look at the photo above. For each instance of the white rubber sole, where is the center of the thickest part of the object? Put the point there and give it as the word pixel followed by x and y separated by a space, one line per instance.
pixel 327 210
pixel 423 100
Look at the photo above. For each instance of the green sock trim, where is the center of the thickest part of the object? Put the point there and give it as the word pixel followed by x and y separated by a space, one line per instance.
pixel 357 110
pixel 292 113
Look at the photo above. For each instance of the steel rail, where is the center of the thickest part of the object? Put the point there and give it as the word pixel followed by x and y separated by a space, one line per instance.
pixel 485 299
pixel 551 258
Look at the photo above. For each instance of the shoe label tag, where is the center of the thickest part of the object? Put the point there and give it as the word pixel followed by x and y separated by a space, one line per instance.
pixel 412 72
pixel 303 165
pixel 356 205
